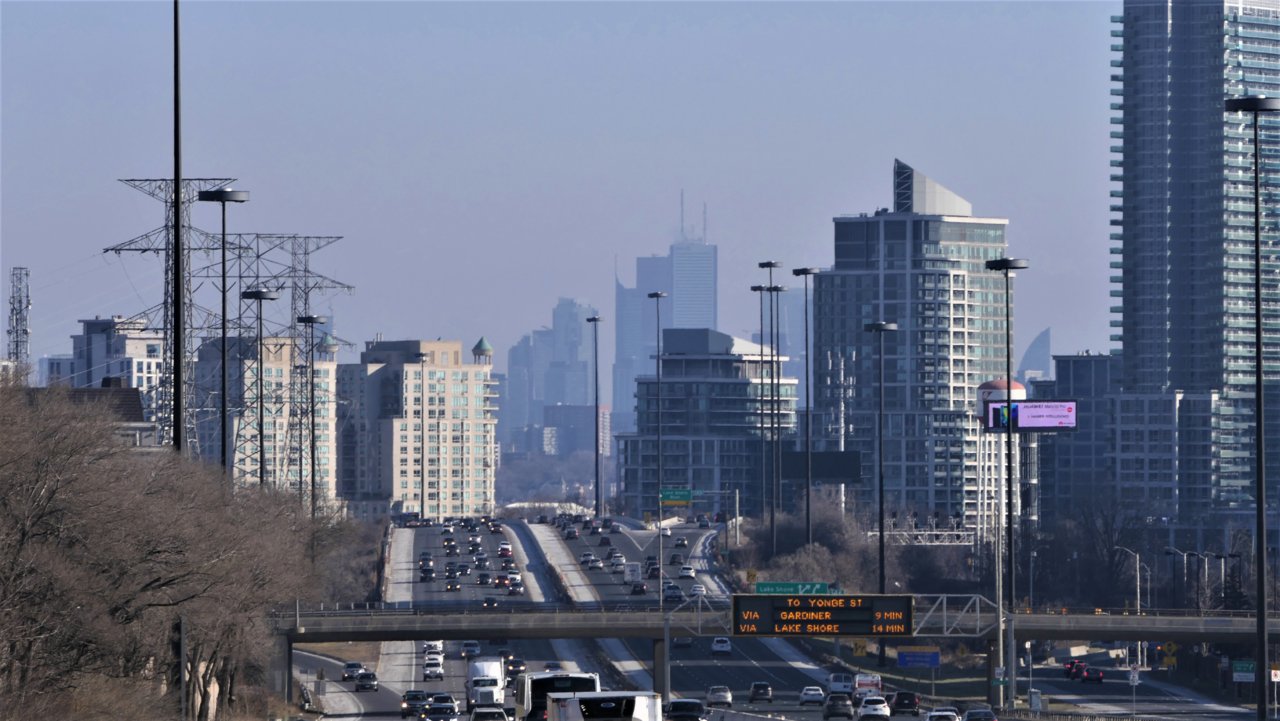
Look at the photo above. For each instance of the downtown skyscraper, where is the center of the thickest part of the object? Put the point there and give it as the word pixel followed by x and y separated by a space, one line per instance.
pixel 688 275
pixel 1183 251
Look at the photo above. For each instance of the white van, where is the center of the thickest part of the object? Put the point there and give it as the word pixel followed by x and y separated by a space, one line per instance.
pixel 840 683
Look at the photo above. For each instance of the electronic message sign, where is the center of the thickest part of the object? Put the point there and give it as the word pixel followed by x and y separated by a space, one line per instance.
pixel 810 615
pixel 1031 415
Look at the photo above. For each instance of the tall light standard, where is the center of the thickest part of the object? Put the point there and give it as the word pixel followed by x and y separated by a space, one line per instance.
pixel 260 295
pixel 422 418
pixel 808 411
pixel 1137 575
pixel 880 328
pixel 1258 104
pixel 769 266
pixel 595 367
pixel 759 290
pixel 310 321
pixel 1006 265
pixel 657 297
pixel 1171 551
pixel 222 197
pixel 775 303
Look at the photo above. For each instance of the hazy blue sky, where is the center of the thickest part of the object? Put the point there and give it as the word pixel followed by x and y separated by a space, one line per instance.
pixel 483 160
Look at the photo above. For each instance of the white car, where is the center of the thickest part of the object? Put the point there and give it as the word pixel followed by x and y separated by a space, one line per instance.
pixel 812 694
pixel 433 647
pixel 432 669
pixel 721 645
pixel 873 707
pixel 666 531
pixel 936 715
pixel 434 656
pixel 697 589
pixel 686 572
pixel 719 696
pixel 504 546
pixel 514 577
pixel 470 649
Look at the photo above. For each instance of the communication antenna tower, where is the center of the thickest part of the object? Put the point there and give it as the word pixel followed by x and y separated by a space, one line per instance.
pixel 19 316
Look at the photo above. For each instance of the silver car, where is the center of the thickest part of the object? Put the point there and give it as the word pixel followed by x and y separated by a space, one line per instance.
pixel 719 696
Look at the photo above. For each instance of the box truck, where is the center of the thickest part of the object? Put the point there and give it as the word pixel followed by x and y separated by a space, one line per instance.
pixel 604 706
pixel 486 674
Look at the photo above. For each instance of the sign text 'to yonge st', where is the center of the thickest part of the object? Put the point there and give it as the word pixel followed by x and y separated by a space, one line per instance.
pixel 809 615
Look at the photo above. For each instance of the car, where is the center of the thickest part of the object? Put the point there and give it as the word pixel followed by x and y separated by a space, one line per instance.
pixel 639 588
pixel 552 666
pixel 615 553
pixel 654 572
pixel 514 576
pixel 483 579
pixel 453 585
pixel 446 530
pixel 515 589
pixel 413 702
pixel 719 696
pixel 586 557
pixel 489 602
pixel 697 589
pixel 1092 674
pixel 615 529
pixel 905 702
pixel 504 553
pixel 704 523
pixel 433 646
pixel 508 564
pixel 424 559
pixel 571 534
pixel 837 704
pixel 720 645
pixel 1069 666
pixel 687 572
pixel 433 656
pixel 515 666
pixel 936 715
pixel 677 559
pixel 464 569
pixel 979 714
pixel 684 709
pixel 482 564
pixel 470 649
pixel 488 713
pixel 760 691
pixel 1077 671
pixel 451 574
pixel 873 707
pixel 672 594
pixel 452 552
pixel 501 582
pixel 366 681
pixel 351 670
pixel 666 531
pixel 606 541
pixel 617 566
pixel 682 542
pixel 812 694
pixel 597 564
pixel 433 670
pixel 473 538
pixel 445 699
pixel 682 642
pixel 427 574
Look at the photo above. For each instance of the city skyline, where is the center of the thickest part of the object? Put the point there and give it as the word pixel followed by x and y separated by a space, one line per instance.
pixel 767 141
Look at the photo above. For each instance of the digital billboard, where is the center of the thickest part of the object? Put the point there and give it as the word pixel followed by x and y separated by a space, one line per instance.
pixel 1039 415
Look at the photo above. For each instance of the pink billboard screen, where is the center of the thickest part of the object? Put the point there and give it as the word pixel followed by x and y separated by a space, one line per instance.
pixel 1031 415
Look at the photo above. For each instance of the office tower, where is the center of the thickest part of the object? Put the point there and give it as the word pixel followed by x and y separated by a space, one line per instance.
pixel 547 367
pixel 1077 467
pixel 921 266
pixel 385 464
pixel 688 275
pixel 711 423
pixel 1184 211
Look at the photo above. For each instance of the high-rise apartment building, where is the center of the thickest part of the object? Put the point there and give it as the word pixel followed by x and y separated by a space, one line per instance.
pixel 922 266
pixel 688 275
pixel 388 462
pixel 115 351
pixel 713 388
pixel 1184 216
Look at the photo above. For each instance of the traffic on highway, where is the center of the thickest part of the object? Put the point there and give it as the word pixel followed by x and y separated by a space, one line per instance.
pixel 512 566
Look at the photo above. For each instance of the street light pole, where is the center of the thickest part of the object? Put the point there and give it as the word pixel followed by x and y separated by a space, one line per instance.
pixel 769 265
pixel 880 328
pixel 657 297
pixel 595 365
pixel 1257 105
pixel 1005 265
pixel 1171 551
pixel 775 304
pixel 222 197
pixel 310 322
pixel 1137 576
pixel 260 295
pixel 808 412
pixel 759 290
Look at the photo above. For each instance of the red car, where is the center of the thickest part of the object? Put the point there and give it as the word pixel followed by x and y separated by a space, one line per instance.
pixel 1070 666
pixel 1091 674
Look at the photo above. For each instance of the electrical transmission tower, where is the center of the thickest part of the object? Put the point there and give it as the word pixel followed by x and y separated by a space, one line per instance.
pixel 20 317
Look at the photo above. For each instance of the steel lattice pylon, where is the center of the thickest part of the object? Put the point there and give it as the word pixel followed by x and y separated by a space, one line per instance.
pixel 19 316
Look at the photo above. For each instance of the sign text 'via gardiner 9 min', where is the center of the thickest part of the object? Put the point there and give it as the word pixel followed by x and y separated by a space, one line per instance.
pixel 811 615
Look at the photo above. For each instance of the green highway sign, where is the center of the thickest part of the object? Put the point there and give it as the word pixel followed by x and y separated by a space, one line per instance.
pixel 676 496
pixel 793 587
